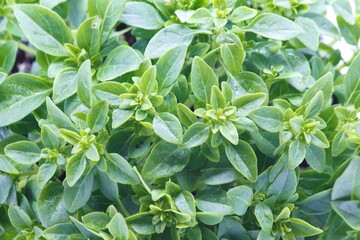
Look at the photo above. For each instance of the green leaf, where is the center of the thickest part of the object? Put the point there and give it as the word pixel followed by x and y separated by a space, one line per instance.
pixel 242 13
pixel 319 139
pixel 118 228
pixel 324 84
pixel 246 82
pixel 84 83
pixel 88 35
pixel 148 81
pixel 344 9
pixel 97 116
pixel 8 55
pixel 217 99
pixel 141 15
pixel 303 229
pixel 168 127
pixel 77 196
pixel 58 117
pixel 268 118
pixel 119 170
pixel 264 216
pixel 75 167
pixel 297 153
pixel 49 138
pixel 96 220
pixel 351 81
pixel 346 186
pixel 19 218
pixel 186 116
pixel 233 55
pixel 51 205
pixel 349 211
pixel 6 185
pixel 218 176
pixel 248 102
pixel 168 38
pixel 203 79
pixel 165 159
pixel 213 199
pixel 120 117
pixel 109 91
pixel 23 152
pixel 316 158
pixel 170 65
pixel 243 159
pixel 273 26
pixel 6 166
pixel 121 60
pixel 30 92
pixel 240 199
pixel 65 85
pixel 113 12
pixel 60 231
pixel 196 135
pixel 45 173
pixel 209 218
pixel 310 41
pixel 315 105
pixel 185 202
pixel 229 131
pixel 338 144
pixel 45 29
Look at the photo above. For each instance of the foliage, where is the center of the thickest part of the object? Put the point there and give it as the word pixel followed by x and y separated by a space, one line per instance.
pixel 224 120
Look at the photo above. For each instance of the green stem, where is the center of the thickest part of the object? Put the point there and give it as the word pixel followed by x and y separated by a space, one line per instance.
pixel 26 48
pixel 123 209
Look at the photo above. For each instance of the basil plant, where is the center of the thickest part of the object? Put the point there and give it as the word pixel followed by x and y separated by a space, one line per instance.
pixel 179 119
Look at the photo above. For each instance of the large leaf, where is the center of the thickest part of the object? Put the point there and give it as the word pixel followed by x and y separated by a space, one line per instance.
pixel 168 127
pixel 243 158
pixel 121 60
pixel 202 79
pixel 21 94
pixel 164 160
pixel 45 29
pixel 273 26
pixel 51 205
pixel 142 15
pixel 168 38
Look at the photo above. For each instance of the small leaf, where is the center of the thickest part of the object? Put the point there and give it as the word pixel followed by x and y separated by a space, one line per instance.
pixel 19 218
pixel 303 229
pixel 229 131
pixel 75 167
pixel 85 83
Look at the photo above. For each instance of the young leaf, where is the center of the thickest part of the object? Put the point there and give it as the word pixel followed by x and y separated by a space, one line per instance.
pixel 264 216
pixel 19 218
pixel 118 228
pixel 8 55
pixel 45 29
pixel 75 167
